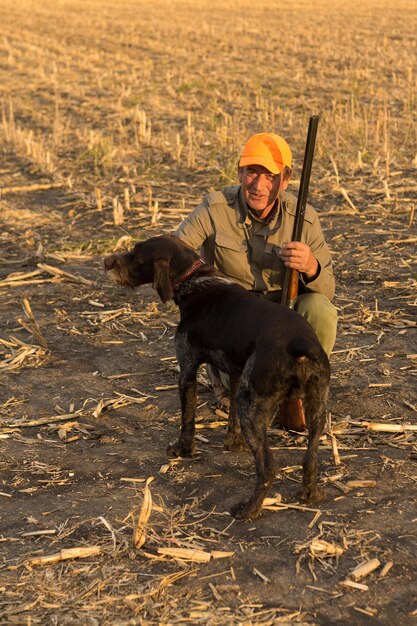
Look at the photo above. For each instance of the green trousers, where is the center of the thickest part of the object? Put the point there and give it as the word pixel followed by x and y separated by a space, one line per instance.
pixel 322 315
pixel 318 311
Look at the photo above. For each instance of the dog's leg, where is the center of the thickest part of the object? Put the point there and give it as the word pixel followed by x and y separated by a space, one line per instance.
pixel 235 441
pixel 187 385
pixel 254 415
pixel 315 401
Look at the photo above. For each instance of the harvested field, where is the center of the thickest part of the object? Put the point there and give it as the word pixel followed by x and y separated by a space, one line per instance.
pixel 116 119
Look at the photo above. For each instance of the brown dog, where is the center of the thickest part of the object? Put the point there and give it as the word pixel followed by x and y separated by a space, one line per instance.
pixel 269 351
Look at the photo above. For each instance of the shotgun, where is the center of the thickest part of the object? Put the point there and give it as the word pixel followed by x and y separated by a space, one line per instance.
pixel 290 289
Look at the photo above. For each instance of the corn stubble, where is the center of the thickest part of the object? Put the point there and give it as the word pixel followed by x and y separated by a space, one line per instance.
pixel 138 109
pixel 186 93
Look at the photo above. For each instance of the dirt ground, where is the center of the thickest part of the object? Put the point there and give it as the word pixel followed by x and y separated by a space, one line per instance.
pixel 134 110
pixel 76 479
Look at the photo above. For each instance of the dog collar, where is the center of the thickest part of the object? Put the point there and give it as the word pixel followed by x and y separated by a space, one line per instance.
pixel 194 267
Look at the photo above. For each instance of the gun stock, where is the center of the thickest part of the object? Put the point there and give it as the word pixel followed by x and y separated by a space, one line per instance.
pixel 290 288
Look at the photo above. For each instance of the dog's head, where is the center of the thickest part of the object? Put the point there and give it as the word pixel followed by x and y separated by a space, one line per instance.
pixel 159 260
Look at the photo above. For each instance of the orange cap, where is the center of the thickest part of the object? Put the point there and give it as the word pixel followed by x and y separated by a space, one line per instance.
pixel 267 149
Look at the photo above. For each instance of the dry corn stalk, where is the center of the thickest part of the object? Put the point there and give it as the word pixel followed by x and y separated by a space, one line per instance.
pixel 193 554
pixel 166 466
pixel 282 506
pixel 123 243
pixel 333 440
pixel 210 425
pixel 323 549
pixel 345 195
pixel 186 554
pixel 29 188
pixel 389 428
pixel 364 569
pixel 56 271
pixel 220 554
pixel 273 500
pixel 32 326
pixel 44 420
pixel 359 484
pixel 65 554
pixel 165 582
pixel 353 585
pixel 127 199
pixel 19 278
pixel 261 575
pixel 117 403
pixel 20 351
pixel 118 212
pixel 99 203
pixel 340 189
pixel 388 565
pixel 155 213
pixel 139 532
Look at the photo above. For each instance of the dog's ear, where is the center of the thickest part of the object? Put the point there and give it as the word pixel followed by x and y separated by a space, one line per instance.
pixel 110 262
pixel 162 283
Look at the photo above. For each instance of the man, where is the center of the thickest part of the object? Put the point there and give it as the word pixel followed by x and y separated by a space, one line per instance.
pixel 245 231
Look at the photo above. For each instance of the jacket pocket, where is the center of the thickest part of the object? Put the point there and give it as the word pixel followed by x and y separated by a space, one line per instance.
pixel 231 256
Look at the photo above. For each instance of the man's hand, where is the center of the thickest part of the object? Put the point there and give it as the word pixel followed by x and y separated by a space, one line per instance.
pixel 298 256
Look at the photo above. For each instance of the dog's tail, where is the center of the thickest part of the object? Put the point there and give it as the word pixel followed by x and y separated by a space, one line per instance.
pixel 310 359
pixel 302 349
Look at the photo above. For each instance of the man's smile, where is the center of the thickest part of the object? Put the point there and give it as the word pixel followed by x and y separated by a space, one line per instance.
pixel 257 196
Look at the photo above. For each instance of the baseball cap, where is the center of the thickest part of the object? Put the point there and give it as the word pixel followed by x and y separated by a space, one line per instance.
pixel 267 149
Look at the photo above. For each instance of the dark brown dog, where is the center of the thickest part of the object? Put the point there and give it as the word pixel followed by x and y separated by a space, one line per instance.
pixel 269 351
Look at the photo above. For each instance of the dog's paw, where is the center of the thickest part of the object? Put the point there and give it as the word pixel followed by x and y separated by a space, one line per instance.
pixel 235 443
pixel 245 510
pixel 312 496
pixel 179 449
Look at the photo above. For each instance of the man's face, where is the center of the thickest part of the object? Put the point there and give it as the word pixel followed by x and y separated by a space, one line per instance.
pixel 260 187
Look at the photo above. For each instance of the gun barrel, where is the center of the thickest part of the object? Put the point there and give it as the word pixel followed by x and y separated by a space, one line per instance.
pixel 305 177
pixel 290 288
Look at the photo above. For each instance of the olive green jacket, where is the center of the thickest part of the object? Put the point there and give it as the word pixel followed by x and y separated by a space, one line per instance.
pixel 246 249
